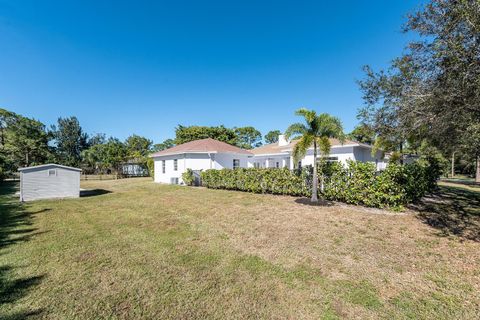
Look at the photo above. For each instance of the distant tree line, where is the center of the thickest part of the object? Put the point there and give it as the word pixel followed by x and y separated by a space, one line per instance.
pixel 26 142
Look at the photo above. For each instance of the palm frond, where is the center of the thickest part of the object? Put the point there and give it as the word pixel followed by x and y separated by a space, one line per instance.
pixel 300 149
pixel 295 130
pixel 309 115
pixel 324 145
pixel 329 126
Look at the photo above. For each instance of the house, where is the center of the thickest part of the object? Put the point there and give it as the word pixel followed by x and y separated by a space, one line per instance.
pixel 198 155
pixel 49 181
pixel 279 154
pixel 206 154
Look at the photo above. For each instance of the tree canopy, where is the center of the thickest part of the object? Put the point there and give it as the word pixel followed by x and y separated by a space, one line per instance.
pixel 248 137
pixel 70 141
pixel 432 92
pixel 186 134
pixel 272 136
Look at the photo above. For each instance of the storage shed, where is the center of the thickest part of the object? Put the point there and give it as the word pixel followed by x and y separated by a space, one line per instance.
pixel 49 181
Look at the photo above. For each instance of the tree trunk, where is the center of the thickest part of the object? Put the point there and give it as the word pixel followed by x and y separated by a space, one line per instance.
pixel 401 153
pixel 453 164
pixel 477 176
pixel 315 174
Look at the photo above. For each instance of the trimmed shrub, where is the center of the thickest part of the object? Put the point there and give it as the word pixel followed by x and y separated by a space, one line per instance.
pixel 151 167
pixel 356 183
pixel 188 177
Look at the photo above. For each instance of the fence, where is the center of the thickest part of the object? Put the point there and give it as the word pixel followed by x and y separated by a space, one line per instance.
pixel 88 177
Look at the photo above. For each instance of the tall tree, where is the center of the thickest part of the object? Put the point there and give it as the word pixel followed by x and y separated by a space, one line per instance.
pixel 248 137
pixel 186 134
pixel 272 136
pixel 70 141
pixel 315 132
pixel 166 144
pixel 23 141
pixel 362 133
pixel 433 91
pixel 137 146
pixel 98 138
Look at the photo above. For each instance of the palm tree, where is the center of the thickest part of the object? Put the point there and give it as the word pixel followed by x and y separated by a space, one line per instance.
pixel 317 131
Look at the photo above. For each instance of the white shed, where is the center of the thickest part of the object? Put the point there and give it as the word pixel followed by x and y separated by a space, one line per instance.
pixel 49 181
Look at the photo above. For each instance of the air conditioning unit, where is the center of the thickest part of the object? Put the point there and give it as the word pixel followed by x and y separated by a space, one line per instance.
pixel 173 180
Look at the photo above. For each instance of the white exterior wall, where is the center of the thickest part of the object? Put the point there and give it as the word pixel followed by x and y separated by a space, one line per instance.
pixel 270 161
pixel 225 160
pixel 194 161
pixel 343 153
pixel 35 183
pixel 159 176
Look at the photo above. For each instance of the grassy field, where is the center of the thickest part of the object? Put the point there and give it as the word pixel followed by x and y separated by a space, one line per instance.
pixel 133 249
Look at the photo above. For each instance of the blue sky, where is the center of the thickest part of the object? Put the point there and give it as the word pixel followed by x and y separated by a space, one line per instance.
pixel 144 67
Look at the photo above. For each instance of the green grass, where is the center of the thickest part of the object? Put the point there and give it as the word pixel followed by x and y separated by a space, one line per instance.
pixel 134 249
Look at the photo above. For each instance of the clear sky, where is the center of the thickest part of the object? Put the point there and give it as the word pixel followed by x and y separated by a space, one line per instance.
pixel 144 67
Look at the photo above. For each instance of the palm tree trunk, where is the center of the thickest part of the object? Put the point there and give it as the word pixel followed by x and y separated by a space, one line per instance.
pixel 315 174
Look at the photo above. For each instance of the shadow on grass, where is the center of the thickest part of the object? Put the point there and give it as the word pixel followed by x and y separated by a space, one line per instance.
pixel 465 182
pixel 15 227
pixel 453 211
pixel 308 202
pixel 93 192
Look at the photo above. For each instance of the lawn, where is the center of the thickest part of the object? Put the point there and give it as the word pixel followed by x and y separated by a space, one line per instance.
pixel 134 249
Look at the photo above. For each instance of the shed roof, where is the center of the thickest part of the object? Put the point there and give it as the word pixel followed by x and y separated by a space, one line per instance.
pixel 49 165
pixel 208 145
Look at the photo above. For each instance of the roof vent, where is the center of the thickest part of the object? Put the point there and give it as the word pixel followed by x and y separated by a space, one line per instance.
pixel 282 141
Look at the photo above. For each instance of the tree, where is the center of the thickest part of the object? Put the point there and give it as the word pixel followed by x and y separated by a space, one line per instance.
pixel 272 136
pixel 70 141
pixel 166 144
pixel 23 141
pixel 362 133
pixel 137 146
pixel 186 134
pixel 248 137
pixel 98 138
pixel 432 91
pixel 317 131
pixel 105 157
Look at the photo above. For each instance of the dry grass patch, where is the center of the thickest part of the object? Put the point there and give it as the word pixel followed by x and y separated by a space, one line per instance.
pixel 143 250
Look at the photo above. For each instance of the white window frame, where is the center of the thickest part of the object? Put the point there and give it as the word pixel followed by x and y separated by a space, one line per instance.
pixel 175 164
pixel 54 172
pixel 163 166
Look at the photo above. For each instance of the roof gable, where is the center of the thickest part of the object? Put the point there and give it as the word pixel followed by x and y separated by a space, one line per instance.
pixel 54 165
pixel 208 145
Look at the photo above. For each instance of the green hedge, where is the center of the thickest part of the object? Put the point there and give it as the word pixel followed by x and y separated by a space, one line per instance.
pixel 355 183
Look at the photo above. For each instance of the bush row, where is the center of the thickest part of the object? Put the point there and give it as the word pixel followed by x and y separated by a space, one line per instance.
pixel 355 183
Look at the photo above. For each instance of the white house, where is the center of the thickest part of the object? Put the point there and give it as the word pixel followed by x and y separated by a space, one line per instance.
pixel 279 154
pixel 212 154
pixel 49 181
pixel 202 154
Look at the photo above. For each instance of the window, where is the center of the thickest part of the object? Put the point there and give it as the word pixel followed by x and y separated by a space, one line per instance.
pixel 277 164
pixel 163 166
pixel 52 172
pixel 299 164
pixel 236 163
pixel 175 165
pixel 256 165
